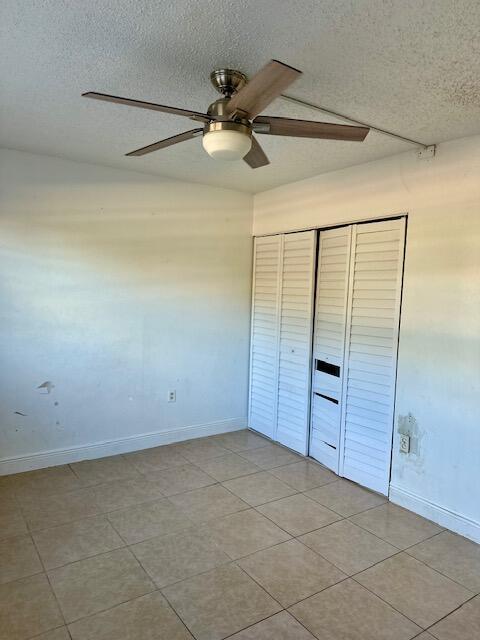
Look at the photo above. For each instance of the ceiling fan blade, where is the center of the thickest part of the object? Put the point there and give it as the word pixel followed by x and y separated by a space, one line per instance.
pixel 256 157
pixel 167 142
pixel 308 129
pixel 194 115
pixel 262 89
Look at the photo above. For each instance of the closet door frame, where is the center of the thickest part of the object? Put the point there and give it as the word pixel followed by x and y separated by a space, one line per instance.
pixel 351 271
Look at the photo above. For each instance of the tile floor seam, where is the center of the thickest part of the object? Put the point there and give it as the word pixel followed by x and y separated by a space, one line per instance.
pixel 117 604
pixel 268 618
pixel 19 507
pixel 252 431
pixel 312 595
pixel 160 590
pixel 116 455
pixel 270 520
pixel 177 613
pixel 250 506
pixel 39 635
pixel 231 635
pixel 304 491
pixel 340 514
pixel 248 475
pixel 105 513
pixel 434 568
pixel 276 544
pixel 449 614
pixel 201 573
pixel 349 519
pixel 384 539
pixel 144 476
pixel 71 522
pixel 131 544
pixel 339 568
pixel 94 555
pixel 301 534
pixel 302 599
pixel 386 601
pixel 244 475
pixel 30 575
pixel 277 465
pixel 282 608
pixel 444 575
pixel 50 584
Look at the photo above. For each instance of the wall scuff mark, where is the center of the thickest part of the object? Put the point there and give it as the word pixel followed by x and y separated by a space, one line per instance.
pixel 46 385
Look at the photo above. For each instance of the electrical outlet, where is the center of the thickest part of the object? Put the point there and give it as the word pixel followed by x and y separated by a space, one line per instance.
pixel 172 396
pixel 404 443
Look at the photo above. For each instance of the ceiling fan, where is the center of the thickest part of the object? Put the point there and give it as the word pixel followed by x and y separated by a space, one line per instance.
pixel 230 122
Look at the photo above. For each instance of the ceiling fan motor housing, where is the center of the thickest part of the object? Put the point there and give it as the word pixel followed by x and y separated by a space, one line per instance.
pixel 228 81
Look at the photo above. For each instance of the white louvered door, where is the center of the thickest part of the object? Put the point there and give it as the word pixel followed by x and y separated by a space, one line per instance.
pixel 295 339
pixel 264 335
pixel 281 338
pixel 329 344
pixel 347 404
pixel 376 270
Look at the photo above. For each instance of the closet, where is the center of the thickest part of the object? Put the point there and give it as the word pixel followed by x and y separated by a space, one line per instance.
pixel 324 345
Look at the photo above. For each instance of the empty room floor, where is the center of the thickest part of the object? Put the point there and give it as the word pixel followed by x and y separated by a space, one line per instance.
pixel 228 536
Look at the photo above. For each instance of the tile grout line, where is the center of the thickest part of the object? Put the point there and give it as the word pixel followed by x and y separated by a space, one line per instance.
pixel 49 582
pixel 444 575
pixel 354 577
pixel 190 631
pixel 434 568
pixel 44 572
pixel 449 614
pixel 162 594
pixel 445 616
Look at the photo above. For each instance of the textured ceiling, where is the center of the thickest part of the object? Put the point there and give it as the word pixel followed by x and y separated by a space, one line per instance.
pixel 411 66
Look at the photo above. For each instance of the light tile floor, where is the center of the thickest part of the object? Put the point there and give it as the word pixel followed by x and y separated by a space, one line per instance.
pixel 229 536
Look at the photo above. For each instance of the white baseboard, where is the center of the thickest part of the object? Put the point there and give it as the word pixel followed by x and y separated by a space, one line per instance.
pixel 444 517
pixel 56 457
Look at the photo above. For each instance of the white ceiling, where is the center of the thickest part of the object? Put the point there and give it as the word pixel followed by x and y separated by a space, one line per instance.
pixel 411 66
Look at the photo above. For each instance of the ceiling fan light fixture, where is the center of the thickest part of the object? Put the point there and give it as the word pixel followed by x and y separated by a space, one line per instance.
pixel 227 140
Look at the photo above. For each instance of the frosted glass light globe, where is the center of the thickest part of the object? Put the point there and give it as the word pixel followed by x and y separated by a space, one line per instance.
pixel 227 144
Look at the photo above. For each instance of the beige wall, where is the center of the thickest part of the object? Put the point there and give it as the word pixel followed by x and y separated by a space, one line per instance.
pixel 438 389
pixel 117 287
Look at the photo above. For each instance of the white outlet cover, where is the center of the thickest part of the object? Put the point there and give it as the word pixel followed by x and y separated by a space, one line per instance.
pixel 404 443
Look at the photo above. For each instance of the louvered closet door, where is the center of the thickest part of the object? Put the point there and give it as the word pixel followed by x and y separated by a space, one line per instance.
pixel 264 335
pixel 371 352
pixel 295 339
pixel 329 344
